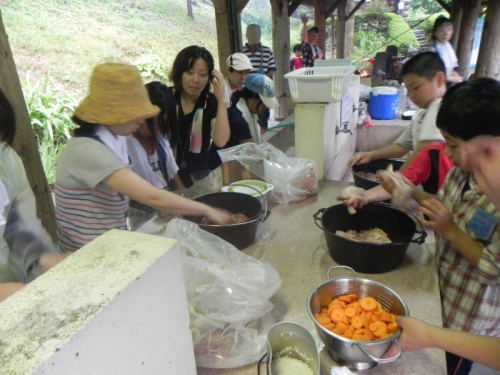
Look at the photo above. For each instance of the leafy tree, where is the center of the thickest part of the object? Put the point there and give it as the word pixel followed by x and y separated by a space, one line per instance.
pixel 427 6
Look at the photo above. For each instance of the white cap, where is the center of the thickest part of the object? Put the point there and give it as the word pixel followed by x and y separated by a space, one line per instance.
pixel 239 61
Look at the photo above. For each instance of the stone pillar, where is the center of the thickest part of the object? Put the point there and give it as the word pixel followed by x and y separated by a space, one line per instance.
pixel 488 62
pixel 25 143
pixel 116 306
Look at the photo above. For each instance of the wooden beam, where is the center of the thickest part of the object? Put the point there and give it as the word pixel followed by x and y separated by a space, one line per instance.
pixel 351 13
pixel 276 6
pixel 488 63
pixel 240 5
pixel 332 8
pixel 320 22
pixel 24 142
pixel 446 6
pixel 292 7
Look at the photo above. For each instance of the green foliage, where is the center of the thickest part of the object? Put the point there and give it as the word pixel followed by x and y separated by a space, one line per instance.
pixel 428 23
pixel 49 153
pixel 400 33
pixel 154 70
pixel 50 112
pixel 427 6
pixel 374 31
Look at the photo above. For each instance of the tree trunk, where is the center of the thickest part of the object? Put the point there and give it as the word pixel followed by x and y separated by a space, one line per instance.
pixel 190 9
pixel 488 63
pixel 471 11
pixel 24 143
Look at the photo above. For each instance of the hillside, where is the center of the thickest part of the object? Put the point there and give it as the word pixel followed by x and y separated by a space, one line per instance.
pixel 64 39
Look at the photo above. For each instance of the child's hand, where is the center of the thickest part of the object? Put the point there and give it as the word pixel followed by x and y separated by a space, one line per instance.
pixel 414 334
pixel 439 217
pixel 218 84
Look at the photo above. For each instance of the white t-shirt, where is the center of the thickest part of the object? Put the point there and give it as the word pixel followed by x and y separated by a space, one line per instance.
pixel 423 127
pixel 447 54
pixel 22 238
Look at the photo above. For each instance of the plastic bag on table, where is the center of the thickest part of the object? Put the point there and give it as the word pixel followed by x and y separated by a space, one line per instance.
pixel 294 179
pixel 228 296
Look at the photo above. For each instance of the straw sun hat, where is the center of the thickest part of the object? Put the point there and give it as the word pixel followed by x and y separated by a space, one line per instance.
pixel 116 96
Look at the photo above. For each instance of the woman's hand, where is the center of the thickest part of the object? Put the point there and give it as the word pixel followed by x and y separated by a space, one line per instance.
pixel 218 216
pixel 438 217
pixel 218 84
pixel 360 158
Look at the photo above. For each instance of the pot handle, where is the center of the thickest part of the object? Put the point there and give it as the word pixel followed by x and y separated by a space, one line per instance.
pixel 382 360
pixel 265 215
pixel 337 267
pixel 261 360
pixel 421 231
pixel 318 216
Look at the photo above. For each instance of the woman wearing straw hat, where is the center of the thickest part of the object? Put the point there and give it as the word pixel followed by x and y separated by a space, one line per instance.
pixel 197 121
pixel 94 181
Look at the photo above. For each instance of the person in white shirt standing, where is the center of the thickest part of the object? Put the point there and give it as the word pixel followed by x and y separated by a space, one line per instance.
pixel 441 35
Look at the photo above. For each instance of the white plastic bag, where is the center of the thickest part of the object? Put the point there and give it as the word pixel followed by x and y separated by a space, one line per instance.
pixel 228 297
pixel 294 179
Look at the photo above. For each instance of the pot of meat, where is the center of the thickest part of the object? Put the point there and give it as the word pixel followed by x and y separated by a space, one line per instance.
pixel 247 213
pixel 365 175
pixel 373 240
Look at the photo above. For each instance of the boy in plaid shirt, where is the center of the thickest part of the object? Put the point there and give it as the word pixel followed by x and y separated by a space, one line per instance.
pixel 466 222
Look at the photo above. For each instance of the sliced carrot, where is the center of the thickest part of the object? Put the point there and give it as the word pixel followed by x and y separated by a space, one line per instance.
pixel 378 328
pixel 368 303
pixel 350 312
pixel 393 327
pixel 348 333
pixel 357 322
pixel 348 298
pixel 323 320
pixel 338 315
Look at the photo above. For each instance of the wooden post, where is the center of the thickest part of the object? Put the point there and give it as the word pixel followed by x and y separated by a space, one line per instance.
pixel 332 35
pixel 341 29
pixel 223 30
pixel 457 12
pixel 488 62
pixel 281 49
pixel 349 29
pixel 24 143
pixel 319 21
pixel 471 9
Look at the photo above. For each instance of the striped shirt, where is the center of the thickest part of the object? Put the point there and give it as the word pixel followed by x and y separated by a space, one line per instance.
pixel 262 59
pixel 470 294
pixel 86 208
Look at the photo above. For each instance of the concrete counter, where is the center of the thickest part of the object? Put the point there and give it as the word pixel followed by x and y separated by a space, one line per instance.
pixel 298 251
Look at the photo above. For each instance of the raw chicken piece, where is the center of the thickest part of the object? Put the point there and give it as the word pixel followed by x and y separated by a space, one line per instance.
pixel 375 235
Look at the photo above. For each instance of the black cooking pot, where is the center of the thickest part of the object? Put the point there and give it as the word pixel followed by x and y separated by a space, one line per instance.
pixel 368 257
pixel 242 234
pixel 373 167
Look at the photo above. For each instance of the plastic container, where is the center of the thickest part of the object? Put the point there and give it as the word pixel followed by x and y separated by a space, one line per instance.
pixel 319 84
pixel 384 104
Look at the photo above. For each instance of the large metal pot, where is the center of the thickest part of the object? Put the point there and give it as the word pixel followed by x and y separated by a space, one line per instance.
pixel 355 354
pixel 373 167
pixel 368 257
pixel 240 235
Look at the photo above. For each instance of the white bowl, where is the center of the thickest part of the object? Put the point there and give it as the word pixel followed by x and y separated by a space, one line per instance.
pixel 256 188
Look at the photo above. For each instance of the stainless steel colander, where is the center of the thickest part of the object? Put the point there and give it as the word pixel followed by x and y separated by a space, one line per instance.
pixel 357 355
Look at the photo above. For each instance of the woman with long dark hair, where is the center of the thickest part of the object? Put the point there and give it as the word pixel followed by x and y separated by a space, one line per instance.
pixel 197 122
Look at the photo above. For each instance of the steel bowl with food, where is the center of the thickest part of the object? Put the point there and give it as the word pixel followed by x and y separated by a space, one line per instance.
pixel 365 175
pixel 368 257
pixel 240 234
pixel 355 354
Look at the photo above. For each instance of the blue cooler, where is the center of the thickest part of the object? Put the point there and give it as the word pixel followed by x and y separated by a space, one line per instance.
pixel 383 106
